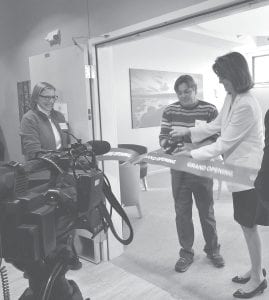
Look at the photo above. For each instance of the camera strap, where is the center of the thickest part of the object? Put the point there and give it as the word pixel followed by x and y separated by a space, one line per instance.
pixel 115 205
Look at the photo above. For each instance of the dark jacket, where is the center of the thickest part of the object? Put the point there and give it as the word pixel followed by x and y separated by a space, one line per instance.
pixel 262 180
pixel 37 134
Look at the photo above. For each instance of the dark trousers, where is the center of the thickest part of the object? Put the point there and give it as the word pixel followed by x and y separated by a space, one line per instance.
pixel 184 186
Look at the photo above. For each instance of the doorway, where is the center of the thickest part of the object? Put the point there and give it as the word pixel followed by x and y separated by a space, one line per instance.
pixel 188 49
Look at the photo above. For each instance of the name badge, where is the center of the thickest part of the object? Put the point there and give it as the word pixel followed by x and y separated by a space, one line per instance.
pixel 63 126
pixel 199 122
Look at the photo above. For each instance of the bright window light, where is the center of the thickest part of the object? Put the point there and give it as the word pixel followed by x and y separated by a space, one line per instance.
pixel 261 69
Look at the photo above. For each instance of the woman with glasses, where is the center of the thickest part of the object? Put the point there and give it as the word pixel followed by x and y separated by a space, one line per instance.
pixel 42 127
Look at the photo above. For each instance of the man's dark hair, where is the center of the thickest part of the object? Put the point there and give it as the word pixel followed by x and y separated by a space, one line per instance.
pixel 188 80
pixel 234 67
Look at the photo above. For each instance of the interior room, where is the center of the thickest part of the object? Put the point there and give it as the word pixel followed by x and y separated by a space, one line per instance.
pixel 119 97
pixel 147 256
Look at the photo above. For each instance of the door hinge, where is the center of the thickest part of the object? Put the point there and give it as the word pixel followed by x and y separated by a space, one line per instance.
pixel 89 72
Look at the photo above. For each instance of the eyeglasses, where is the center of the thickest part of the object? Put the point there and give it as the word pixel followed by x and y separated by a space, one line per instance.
pixel 185 92
pixel 49 98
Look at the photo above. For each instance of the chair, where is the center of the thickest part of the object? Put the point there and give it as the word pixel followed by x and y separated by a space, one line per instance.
pixel 129 186
pixel 143 165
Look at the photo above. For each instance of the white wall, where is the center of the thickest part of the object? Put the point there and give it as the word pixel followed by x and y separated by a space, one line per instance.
pixel 159 53
pixel 64 68
pixel 22 37
pixel 24 24
pixel 260 92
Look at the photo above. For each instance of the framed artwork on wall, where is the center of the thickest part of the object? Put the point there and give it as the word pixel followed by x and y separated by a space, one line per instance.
pixel 24 95
pixel 151 91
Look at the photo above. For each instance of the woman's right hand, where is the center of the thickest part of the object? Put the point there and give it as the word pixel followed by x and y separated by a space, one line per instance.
pixel 180 132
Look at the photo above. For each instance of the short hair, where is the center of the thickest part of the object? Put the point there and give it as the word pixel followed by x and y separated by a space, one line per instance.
pixel 37 90
pixel 234 67
pixel 188 80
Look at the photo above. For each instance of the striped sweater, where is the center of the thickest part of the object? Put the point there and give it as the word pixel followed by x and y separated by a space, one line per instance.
pixel 177 115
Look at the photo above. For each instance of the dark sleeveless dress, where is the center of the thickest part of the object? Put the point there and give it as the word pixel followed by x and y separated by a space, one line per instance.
pixel 262 181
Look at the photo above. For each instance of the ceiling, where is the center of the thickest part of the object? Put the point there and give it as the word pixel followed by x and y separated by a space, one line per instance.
pixel 245 28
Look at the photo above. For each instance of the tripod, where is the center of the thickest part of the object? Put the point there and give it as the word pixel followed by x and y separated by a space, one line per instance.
pixel 47 279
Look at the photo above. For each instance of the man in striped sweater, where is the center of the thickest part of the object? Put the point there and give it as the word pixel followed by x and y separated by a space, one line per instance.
pixel 189 112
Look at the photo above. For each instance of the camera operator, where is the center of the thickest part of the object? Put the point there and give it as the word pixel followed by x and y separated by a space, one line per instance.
pixel 189 112
pixel 42 129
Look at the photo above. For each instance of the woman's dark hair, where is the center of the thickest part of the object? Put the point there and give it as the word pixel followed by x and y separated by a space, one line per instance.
pixel 234 67
pixel 188 80
pixel 37 90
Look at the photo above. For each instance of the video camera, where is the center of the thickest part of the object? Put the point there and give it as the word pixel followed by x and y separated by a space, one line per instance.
pixel 36 223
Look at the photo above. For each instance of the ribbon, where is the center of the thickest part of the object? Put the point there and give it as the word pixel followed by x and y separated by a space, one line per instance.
pixel 209 168
pixel 212 169
pixel 119 154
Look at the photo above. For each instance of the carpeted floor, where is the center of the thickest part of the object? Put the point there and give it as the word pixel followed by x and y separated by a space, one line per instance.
pixel 154 251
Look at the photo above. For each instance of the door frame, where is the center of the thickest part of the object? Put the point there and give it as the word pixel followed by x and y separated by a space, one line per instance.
pixel 99 50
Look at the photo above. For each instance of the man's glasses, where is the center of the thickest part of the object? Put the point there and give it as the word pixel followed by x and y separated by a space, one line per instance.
pixel 185 92
pixel 49 98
